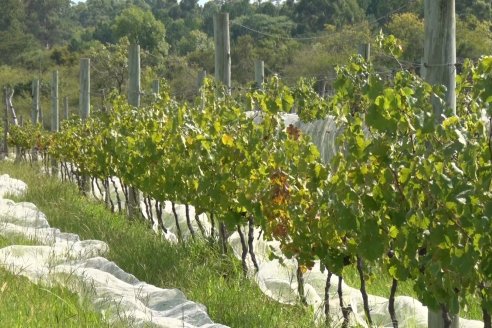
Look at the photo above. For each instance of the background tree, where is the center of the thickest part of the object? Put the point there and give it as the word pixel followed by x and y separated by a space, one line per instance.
pixel 319 59
pixel 109 64
pixel 281 26
pixel 409 28
pixel 473 38
pixel 14 39
pixel 92 12
pixel 140 26
pixel 482 9
pixel 273 44
pixel 243 56
pixel 268 8
pixel 313 15
pixel 195 41
pixel 383 10
pixel 237 8
pixel 13 15
pixel 49 20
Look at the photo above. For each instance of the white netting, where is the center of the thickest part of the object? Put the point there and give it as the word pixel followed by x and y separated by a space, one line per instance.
pixel 64 259
pixel 277 279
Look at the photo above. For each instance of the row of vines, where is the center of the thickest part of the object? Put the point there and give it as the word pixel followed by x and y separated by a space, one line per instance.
pixel 406 191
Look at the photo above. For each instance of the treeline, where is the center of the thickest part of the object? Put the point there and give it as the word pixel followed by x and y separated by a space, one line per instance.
pixel 294 38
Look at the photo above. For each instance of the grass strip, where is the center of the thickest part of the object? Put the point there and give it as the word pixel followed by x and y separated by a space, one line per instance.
pixel 25 304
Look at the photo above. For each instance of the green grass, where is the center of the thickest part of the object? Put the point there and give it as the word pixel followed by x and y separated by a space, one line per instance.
pixel 200 271
pixel 24 304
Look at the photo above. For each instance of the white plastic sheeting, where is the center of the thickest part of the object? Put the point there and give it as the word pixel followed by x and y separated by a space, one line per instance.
pixel 169 221
pixel 278 281
pixel 323 133
pixel 168 218
pixel 64 259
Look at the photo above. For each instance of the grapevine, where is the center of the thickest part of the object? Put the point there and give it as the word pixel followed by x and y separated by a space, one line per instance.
pixel 405 190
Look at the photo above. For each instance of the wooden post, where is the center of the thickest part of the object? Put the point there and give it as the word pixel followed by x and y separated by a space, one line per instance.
pixel 222 49
pixel 85 87
pixel 66 112
pixel 365 51
pixel 41 116
pixel 84 107
pixel 422 68
pixel 200 78
pixel 134 75
pixel 10 105
pixel 259 73
pixel 35 112
pixel 156 88
pixel 440 68
pixel 5 124
pixel 9 94
pixel 35 102
pixel 202 75
pixel 55 119
pixel 440 50
pixel 134 100
pixel 9 108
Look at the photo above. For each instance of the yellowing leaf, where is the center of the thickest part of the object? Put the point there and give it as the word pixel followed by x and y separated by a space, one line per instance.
pixel 227 140
pixel 217 126
pixel 450 121
pixel 303 268
pixel 393 232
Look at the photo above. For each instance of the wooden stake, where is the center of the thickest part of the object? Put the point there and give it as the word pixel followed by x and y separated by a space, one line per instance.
pixel 66 112
pixel 5 124
pixel 440 50
pixel 259 73
pixel 134 100
pixel 222 49
pixel 440 68
pixel 365 51
pixel 201 77
pixel 84 108
pixel 156 86
pixel 55 119
pixel 10 105
pixel 35 102
pixel 85 87
pixel 134 75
